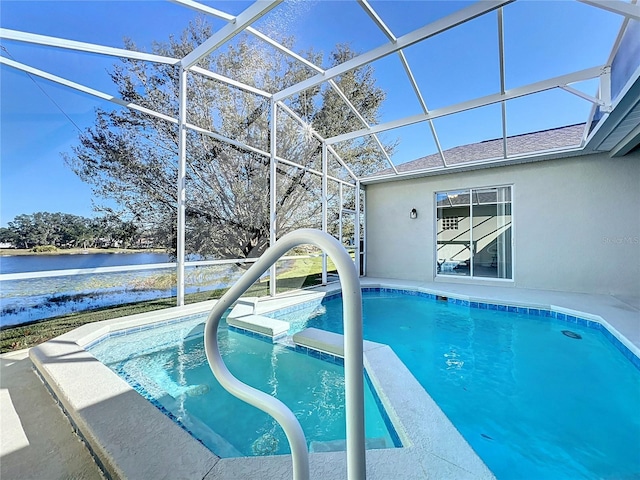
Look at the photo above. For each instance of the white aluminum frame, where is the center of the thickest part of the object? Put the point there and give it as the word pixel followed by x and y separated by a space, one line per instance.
pixel 8 277
pixel 82 88
pixel 243 23
pixel 45 40
pixel 405 63
pixel 503 104
pixel 628 10
pixel 405 41
pixel 181 185
pixel 541 86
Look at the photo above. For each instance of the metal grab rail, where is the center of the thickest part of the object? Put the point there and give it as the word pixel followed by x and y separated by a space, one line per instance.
pixel 353 366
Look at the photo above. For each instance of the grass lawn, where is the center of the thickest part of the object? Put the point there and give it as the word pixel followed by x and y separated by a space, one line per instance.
pixel 304 273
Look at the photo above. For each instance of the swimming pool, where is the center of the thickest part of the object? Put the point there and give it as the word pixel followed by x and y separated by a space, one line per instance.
pixel 532 401
pixel 168 366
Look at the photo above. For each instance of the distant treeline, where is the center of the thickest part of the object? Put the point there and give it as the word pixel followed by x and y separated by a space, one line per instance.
pixel 64 230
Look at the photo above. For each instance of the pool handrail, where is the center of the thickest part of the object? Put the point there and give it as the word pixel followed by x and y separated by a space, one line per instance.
pixel 353 352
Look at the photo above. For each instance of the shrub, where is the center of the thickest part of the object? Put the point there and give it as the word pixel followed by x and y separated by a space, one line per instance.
pixel 44 248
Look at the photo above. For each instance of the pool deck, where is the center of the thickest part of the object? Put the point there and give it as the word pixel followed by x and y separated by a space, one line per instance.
pixel 38 441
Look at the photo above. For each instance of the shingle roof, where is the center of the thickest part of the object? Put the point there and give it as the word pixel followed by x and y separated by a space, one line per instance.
pixel 552 139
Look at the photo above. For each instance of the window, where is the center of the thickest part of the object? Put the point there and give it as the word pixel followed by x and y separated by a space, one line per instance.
pixel 450 223
pixel 474 233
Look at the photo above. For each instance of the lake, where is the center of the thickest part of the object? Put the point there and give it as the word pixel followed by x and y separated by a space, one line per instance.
pixel 35 299
pixel 39 263
pixel 40 298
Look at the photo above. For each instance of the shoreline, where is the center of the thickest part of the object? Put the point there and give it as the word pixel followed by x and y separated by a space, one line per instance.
pixel 21 252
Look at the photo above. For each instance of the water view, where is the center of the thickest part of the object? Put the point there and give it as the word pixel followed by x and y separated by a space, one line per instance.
pixel 41 263
pixel 33 299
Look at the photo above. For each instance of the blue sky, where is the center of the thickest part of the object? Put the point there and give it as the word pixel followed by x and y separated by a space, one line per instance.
pixel 543 39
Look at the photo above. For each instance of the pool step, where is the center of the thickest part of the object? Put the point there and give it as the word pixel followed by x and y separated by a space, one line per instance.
pixel 327 342
pixel 200 430
pixel 320 340
pixel 269 327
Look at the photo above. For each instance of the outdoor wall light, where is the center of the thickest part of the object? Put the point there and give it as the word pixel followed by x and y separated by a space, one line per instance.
pixel 413 213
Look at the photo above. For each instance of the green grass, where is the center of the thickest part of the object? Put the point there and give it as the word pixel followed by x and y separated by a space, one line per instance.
pixel 305 273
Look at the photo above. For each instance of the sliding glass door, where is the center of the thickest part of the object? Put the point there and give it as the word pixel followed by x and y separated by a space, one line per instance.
pixel 474 233
pixel 454 233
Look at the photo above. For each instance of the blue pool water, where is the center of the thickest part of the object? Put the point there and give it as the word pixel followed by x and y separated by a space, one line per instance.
pixel 532 402
pixel 169 367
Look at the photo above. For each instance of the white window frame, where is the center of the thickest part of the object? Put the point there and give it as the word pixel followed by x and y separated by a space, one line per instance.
pixel 472 277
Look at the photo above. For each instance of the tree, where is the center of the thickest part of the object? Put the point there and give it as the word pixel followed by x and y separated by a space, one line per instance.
pixel 8 236
pixel 65 230
pixel 131 157
pixel 23 230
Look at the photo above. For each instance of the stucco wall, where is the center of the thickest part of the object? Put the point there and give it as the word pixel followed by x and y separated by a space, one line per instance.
pixel 576 224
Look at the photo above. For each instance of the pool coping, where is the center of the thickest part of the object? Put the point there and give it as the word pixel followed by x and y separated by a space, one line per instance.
pixel 130 438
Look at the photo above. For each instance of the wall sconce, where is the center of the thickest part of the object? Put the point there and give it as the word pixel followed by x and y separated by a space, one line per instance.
pixel 413 213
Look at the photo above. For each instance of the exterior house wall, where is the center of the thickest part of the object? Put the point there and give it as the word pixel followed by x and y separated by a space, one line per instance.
pixel 576 224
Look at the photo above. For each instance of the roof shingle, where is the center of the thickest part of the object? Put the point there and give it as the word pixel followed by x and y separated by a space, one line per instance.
pixel 551 139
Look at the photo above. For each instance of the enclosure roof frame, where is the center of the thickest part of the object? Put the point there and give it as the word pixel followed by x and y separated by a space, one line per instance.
pixel 244 23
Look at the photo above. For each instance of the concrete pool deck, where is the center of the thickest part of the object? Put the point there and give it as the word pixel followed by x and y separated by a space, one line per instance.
pixel 37 440
pixel 622 315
